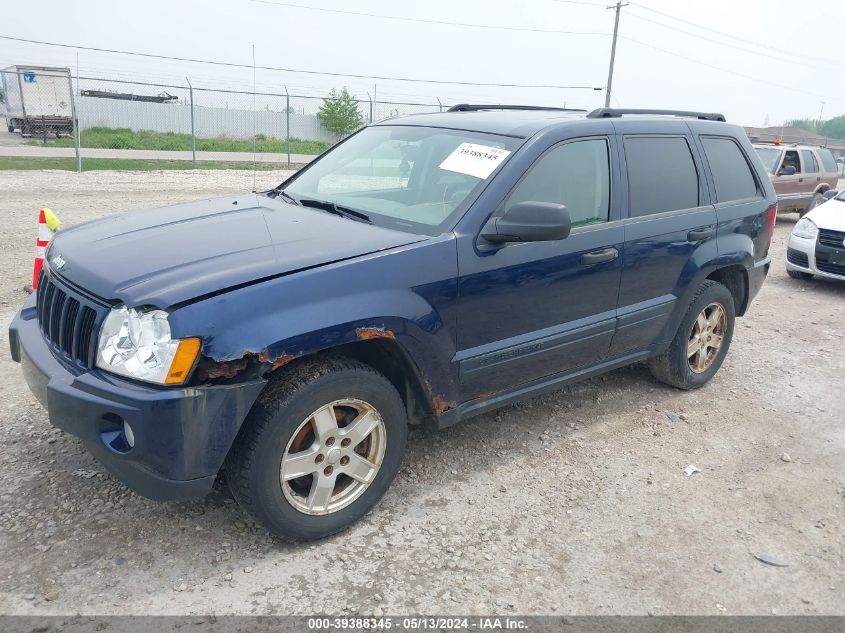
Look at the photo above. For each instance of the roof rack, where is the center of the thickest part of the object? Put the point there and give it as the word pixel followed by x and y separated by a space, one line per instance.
pixel 473 107
pixel 612 113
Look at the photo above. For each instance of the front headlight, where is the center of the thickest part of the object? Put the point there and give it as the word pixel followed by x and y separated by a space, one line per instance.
pixel 137 344
pixel 805 228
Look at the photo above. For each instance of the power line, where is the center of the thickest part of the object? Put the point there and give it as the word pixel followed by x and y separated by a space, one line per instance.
pixel 230 91
pixel 725 70
pixel 296 70
pixel 597 5
pixel 734 46
pixel 723 33
pixel 400 18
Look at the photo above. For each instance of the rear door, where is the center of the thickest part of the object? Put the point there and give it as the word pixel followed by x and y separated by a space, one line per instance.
pixel 739 198
pixel 812 169
pixel 671 226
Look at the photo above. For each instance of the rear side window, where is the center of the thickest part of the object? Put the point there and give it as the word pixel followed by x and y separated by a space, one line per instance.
pixel 826 157
pixel 731 172
pixel 576 174
pixel 810 164
pixel 661 174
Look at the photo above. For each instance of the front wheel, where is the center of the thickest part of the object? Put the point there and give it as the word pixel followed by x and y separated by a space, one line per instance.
pixel 319 449
pixel 702 340
pixel 797 274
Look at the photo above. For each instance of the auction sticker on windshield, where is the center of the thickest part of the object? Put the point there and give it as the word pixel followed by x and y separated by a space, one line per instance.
pixel 474 160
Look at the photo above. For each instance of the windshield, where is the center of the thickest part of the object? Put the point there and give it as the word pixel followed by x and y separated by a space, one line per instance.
pixel 770 157
pixel 416 179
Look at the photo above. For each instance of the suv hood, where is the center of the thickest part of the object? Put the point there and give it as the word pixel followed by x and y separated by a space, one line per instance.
pixel 166 256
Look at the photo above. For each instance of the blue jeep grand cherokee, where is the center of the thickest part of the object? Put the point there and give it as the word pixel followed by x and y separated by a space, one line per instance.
pixel 425 270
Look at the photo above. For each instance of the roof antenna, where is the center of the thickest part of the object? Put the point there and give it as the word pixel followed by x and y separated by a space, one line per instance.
pixel 254 119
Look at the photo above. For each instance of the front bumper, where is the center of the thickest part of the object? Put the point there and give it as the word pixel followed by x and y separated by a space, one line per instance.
pixel 182 435
pixel 801 256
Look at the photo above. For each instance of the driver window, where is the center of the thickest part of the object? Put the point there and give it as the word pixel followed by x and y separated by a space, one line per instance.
pixel 790 159
pixel 575 174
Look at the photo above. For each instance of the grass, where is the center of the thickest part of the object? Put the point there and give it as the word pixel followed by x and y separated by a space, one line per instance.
pixel 124 138
pixel 129 164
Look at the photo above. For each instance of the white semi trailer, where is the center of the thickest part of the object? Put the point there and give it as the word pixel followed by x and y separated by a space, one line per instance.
pixel 38 100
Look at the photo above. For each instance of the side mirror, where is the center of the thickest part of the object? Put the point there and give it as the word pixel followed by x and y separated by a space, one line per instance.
pixel 830 194
pixel 529 222
pixel 787 170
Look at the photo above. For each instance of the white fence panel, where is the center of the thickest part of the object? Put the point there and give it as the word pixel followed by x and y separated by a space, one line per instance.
pixel 210 122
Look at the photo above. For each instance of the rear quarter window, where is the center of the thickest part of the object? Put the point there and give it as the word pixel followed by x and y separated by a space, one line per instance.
pixel 827 159
pixel 661 174
pixel 732 174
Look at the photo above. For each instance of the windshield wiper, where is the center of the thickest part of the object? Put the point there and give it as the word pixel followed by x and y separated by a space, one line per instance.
pixel 287 196
pixel 278 191
pixel 333 207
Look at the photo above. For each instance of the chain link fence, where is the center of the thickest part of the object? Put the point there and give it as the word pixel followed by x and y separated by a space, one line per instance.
pixel 186 123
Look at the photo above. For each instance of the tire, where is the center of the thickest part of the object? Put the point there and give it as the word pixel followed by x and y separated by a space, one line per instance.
pixel 797 274
pixel 674 366
pixel 818 198
pixel 284 421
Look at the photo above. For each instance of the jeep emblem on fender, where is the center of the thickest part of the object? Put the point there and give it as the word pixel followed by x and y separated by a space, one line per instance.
pixel 58 262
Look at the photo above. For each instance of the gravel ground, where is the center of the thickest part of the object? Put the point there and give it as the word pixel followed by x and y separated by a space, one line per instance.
pixel 575 503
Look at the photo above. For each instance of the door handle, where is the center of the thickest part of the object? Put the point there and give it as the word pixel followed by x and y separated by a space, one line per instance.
pixel 599 257
pixel 800 180
pixel 704 233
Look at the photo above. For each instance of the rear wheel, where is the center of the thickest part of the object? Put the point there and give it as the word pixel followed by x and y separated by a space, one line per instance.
pixel 702 340
pixel 319 449
pixel 797 274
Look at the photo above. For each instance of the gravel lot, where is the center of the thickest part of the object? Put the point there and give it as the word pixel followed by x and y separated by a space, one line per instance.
pixel 574 503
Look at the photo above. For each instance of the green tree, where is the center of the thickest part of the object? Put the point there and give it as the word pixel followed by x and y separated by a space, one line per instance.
pixel 339 113
pixel 834 128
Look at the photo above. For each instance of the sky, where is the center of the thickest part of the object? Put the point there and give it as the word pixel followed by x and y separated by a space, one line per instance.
pixel 757 62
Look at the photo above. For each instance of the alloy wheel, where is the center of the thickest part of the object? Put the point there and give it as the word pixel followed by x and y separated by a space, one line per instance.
pixel 333 456
pixel 706 338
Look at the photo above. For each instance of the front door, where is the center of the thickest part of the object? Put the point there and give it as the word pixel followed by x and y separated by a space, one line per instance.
pixel 531 310
pixel 794 190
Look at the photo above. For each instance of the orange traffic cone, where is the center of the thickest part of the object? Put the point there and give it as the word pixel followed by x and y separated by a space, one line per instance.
pixel 45 233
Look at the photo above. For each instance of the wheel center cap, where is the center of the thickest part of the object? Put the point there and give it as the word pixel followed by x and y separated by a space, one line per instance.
pixel 333 456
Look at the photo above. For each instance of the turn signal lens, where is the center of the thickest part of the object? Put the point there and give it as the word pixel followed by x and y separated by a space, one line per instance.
pixel 183 361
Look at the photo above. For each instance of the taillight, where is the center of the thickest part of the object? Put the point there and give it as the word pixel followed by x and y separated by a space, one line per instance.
pixel 771 217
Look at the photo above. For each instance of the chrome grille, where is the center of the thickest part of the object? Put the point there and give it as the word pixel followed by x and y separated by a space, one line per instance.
pixel 68 320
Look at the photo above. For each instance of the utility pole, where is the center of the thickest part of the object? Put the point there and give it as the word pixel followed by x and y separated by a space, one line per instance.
pixel 618 7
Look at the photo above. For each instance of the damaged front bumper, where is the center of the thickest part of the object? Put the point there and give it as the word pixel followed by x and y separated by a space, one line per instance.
pixel 181 435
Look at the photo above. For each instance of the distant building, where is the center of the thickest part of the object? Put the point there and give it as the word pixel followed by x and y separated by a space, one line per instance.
pixel 789 135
